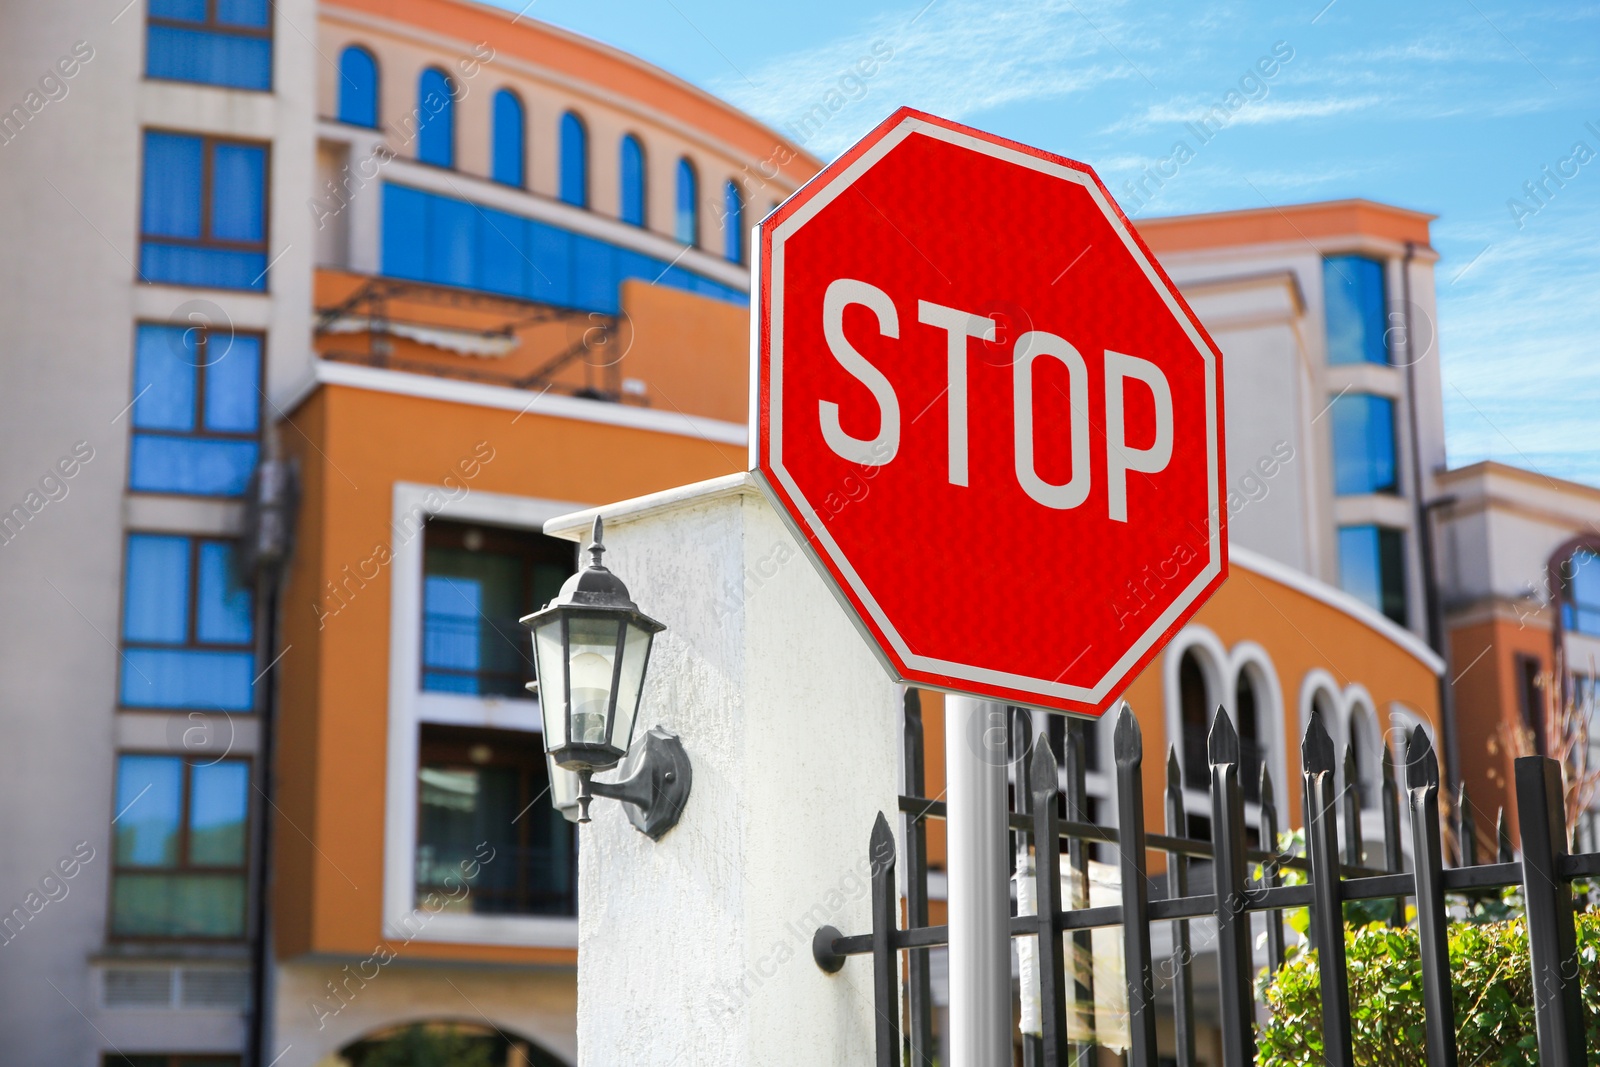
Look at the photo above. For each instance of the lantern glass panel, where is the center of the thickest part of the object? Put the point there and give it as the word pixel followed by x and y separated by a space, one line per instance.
pixel 550 660
pixel 635 651
pixel 592 663
pixel 564 788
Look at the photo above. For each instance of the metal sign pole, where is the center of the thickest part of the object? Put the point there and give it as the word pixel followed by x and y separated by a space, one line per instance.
pixel 979 890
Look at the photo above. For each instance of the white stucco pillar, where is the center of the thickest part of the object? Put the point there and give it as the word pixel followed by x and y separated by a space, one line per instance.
pixel 695 951
pixel 979 889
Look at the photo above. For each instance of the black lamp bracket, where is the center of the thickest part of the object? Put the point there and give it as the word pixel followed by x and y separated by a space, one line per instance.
pixel 654 787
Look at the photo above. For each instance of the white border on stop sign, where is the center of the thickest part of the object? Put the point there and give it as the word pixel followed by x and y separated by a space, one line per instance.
pixel 836 187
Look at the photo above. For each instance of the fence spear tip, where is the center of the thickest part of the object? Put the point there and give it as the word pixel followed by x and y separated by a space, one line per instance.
pixel 1387 760
pixel 1316 749
pixel 1268 794
pixel 1128 739
pixel 1422 766
pixel 1174 769
pixel 1223 744
pixel 1044 768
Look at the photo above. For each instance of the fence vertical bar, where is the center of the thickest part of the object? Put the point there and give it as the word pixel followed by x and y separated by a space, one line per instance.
pixel 884 972
pixel 1552 941
pixel 1351 800
pixel 1178 886
pixel 1021 738
pixel 919 975
pixel 1129 748
pixel 1466 829
pixel 1047 872
pixel 1269 868
pixel 1427 854
pixel 1502 837
pixel 1393 861
pixel 1077 801
pixel 1327 915
pixel 1229 870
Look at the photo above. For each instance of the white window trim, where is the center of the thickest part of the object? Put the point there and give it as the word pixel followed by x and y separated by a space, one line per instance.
pixel 1221 667
pixel 409 707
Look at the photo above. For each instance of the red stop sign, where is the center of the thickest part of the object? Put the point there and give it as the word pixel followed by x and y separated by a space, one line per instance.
pixel 989 414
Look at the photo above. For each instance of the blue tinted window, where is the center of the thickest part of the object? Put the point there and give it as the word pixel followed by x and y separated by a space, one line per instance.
pixel 436 120
pixel 631 209
pixel 574 161
pixel 181 442
pixel 149 810
pixel 172 876
pixel 157 569
pixel 173 657
pixel 509 135
pixel 179 10
pixel 173 185
pixel 733 223
pixel 1353 289
pixel 432 238
pixel 686 226
pixel 238 192
pixel 358 87
pixel 1363 444
pixel 1580 592
pixel 218 804
pixel 165 378
pixel 230 46
pixel 222 604
pixel 233 383
pixel 1372 568
pixel 225 248
pixel 242 12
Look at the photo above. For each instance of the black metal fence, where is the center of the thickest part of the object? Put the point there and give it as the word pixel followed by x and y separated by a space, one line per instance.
pixel 1052 808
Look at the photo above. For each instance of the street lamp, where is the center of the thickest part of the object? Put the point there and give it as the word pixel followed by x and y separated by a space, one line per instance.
pixel 591 646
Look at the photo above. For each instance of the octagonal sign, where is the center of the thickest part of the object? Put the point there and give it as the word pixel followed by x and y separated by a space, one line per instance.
pixel 989 415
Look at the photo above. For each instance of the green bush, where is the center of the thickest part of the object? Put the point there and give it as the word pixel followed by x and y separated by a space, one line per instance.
pixel 1489 976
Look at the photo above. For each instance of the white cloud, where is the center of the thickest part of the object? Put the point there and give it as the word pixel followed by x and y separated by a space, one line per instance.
pixel 959 59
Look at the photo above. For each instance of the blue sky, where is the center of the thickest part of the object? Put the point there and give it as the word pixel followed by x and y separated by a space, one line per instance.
pixel 1447 107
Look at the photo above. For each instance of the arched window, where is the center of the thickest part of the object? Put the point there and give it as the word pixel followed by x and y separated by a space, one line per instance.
pixel 358 87
pixel 1575 577
pixel 686 226
pixel 574 161
pixel 1365 756
pixel 733 223
pixel 1248 706
pixel 631 207
pixel 507 163
pixel 436 119
pixel 1194 709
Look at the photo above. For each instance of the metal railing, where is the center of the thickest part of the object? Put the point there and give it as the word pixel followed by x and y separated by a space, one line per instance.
pixel 1334 877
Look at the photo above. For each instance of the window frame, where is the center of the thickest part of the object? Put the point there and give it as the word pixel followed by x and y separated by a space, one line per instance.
pixel 1403 579
pixel 377 88
pixel 454 751
pixel 212 25
pixel 208 145
pixel 191 624
pixel 734 239
pixel 403 915
pixel 1382 265
pixel 515 97
pixel 202 373
pixel 424 121
pixel 1367 453
pixel 685 167
pixel 643 221
pixel 526 563
pixel 185 809
pixel 585 178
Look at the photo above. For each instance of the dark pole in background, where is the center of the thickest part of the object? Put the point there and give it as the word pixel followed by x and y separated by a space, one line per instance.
pixel 1433 614
pixel 266 544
